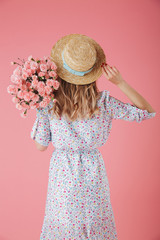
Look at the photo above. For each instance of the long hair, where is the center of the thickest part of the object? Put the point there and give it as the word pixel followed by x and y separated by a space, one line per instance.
pixel 75 101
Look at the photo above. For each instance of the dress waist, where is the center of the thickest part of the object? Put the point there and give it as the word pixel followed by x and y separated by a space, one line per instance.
pixel 71 150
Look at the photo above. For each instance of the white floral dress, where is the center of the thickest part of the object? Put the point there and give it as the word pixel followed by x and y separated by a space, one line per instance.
pixel 78 202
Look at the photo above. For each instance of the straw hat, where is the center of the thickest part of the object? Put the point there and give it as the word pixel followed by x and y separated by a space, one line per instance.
pixel 78 59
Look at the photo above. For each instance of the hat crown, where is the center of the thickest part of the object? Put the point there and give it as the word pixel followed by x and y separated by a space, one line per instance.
pixel 81 61
pixel 79 54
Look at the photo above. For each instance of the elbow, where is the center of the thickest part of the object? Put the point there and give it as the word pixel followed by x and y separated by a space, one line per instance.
pixel 149 109
pixel 40 147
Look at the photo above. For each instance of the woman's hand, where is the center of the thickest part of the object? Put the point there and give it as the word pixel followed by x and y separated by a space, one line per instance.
pixel 112 74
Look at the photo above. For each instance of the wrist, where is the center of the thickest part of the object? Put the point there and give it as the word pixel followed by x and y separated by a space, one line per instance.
pixel 122 84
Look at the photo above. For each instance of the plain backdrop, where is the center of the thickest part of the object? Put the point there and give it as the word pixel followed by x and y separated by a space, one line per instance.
pixel 128 31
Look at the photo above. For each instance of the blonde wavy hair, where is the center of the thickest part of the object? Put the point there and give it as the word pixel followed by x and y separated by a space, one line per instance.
pixel 75 102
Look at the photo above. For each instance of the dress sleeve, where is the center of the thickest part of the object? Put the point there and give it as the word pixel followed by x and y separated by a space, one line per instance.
pixel 117 109
pixel 41 131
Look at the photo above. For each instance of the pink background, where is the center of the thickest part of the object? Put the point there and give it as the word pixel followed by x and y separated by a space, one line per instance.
pixel 128 31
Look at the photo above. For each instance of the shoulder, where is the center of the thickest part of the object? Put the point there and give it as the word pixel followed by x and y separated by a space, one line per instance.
pixel 103 101
pixel 104 96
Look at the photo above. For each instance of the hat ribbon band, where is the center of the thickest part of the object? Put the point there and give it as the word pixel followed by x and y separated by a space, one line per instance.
pixel 74 71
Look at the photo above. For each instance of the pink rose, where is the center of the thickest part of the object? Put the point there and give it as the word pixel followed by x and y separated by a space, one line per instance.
pixel 35 98
pixel 53 74
pixel 41 74
pixel 34 65
pixel 29 72
pixel 13 78
pixel 56 85
pixel 41 91
pixel 33 105
pixel 48 89
pixel 27 65
pixel 18 80
pixel 20 94
pixel 43 104
pixel 23 114
pixel 38 70
pixel 25 91
pixel 43 67
pixel 34 83
pixel 49 82
pixel 15 100
pixel 34 77
pixel 33 71
pixel 28 84
pixel 24 74
pixel 36 58
pixel 31 94
pixel 19 106
pixel 42 61
pixel 41 84
pixel 47 75
pixel 12 89
pixel 29 58
pixel 23 87
pixel 17 71
pixel 53 66
pixel 25 70
pixel 25 106
pixel 27 97
pixel 48 64
pixel 47 99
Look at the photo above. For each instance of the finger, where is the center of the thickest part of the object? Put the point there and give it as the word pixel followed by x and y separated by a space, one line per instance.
pixel 109 74
pixel 104 72
pixel 111 70
pixel 115 69
pixel 106 69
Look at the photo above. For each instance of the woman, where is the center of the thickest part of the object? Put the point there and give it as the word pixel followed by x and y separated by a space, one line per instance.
pixel 78 202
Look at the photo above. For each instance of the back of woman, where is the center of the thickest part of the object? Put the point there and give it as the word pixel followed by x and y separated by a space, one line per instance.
pixel 78 202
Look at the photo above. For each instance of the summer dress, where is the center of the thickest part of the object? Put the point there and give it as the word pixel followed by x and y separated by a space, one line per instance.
pixel 78 202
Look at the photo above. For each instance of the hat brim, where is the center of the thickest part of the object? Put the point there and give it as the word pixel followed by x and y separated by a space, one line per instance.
pixel 56 56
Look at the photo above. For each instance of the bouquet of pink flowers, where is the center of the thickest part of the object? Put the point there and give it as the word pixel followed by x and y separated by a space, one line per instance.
pixel 34 83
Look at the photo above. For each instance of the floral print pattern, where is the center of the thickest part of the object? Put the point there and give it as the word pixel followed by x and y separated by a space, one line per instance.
pixel 78 204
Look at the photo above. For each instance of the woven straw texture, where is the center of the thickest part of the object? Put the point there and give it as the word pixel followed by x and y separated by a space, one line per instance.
pixel 80 53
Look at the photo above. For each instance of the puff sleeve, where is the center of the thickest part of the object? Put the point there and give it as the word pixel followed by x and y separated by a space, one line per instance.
pixel 41 131
pixel 117 109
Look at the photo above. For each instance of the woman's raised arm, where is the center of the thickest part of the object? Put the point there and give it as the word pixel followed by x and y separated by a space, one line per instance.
pixel 114 76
